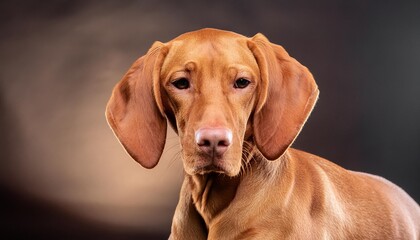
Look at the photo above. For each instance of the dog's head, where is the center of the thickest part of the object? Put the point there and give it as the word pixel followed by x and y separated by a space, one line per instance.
pixel 217 89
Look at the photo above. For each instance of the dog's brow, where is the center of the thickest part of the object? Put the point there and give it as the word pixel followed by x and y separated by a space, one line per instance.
pixel 182 70
pixel 190 66
pixel 238 70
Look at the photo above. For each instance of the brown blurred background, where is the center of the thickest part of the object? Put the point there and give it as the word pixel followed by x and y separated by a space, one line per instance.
pixel 64 175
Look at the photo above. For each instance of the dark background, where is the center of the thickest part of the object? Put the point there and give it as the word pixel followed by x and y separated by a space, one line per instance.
pixel 64 175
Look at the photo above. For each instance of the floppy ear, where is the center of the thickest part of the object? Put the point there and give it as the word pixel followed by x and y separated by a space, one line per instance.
pixel 287 95
pixel 134 113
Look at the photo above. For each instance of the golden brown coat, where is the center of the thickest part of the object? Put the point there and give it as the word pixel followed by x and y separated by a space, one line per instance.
pixel 237 105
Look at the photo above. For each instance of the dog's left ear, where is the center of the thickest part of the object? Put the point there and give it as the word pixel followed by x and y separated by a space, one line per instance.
pixel 287 95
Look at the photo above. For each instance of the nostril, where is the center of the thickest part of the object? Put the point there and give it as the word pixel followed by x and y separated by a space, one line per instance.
pixel 223 143
pixel 225 139
pixel 204 143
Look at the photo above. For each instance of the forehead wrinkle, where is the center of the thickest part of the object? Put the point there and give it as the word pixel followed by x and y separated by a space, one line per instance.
pixel 209 58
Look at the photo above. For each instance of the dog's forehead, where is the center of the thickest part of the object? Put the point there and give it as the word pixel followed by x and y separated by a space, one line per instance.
pixel 209 47
pixel 208 33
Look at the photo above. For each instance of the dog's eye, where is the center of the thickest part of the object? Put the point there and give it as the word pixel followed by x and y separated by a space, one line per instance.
pixel 241 83
pixel 181 83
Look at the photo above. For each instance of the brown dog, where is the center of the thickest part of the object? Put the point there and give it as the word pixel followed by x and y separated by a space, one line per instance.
pixel 237 103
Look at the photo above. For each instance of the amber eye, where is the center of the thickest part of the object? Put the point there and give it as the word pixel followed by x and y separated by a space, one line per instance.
pixel 241 83
pixel 181 83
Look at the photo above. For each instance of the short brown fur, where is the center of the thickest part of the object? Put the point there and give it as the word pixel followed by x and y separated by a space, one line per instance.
pixel 260 188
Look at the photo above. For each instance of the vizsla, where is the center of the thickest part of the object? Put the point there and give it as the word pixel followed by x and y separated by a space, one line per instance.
pixel 237 104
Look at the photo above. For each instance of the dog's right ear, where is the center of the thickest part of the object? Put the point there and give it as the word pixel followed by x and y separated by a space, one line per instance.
pixel 134 112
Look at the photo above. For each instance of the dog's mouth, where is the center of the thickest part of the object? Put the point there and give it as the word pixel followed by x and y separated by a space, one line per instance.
pixel 201 166
pixel 210 168
pixel 200 163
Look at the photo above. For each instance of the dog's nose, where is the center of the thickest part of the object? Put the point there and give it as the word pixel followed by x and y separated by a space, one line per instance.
pixel 213 141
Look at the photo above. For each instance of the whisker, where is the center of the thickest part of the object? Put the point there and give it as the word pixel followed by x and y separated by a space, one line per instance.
pixel 248 151
pixel 176 157
pixel 170 148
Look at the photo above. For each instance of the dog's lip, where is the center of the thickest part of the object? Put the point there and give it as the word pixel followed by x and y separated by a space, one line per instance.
pixel 209 168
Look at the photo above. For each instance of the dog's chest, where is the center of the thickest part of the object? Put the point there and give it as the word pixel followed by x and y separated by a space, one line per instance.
pixel 228 207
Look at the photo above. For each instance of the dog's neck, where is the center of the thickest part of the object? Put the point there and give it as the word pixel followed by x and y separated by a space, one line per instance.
pixel 213 192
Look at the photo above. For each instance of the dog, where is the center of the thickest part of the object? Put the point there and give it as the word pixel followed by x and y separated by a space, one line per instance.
pixel 237 104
